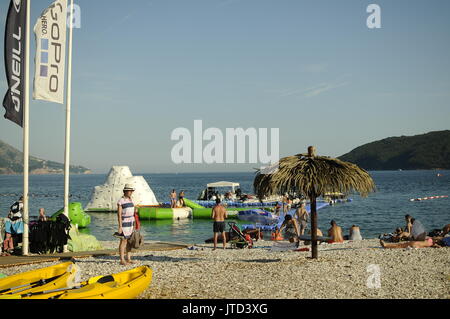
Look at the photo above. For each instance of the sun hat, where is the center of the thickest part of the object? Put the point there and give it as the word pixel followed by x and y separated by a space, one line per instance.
pixel 128 187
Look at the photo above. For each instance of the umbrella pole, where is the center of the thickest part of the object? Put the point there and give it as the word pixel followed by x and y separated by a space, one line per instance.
pixel 314 227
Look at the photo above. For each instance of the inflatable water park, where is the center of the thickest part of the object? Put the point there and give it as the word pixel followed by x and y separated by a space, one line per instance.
pixel 104 200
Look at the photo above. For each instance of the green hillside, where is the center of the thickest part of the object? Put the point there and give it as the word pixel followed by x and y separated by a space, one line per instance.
pixel 11 162
pixel 426 151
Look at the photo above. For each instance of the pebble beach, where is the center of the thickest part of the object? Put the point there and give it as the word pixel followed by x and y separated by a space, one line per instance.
pixel 343 271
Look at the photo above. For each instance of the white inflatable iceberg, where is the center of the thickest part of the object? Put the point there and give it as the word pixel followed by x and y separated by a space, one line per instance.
pixel 104 198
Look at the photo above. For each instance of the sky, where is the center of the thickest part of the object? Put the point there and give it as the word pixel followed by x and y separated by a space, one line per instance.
pixel 312 69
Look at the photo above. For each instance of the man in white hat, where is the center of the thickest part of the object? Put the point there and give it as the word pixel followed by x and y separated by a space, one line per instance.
pixel 125 214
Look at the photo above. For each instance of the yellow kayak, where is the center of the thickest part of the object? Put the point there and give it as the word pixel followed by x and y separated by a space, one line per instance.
pixel 125 285
pixel 53 277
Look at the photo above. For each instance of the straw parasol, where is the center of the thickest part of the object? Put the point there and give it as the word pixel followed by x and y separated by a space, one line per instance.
pixel 312 176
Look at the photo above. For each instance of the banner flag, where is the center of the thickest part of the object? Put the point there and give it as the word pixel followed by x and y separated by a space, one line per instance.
pixel 50 31
pixel 15 49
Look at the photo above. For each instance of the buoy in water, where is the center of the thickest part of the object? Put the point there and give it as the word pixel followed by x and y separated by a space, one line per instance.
pixel 426 198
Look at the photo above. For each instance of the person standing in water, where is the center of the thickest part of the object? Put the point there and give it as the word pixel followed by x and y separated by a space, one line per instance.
pixel 125 216
pixel 219 215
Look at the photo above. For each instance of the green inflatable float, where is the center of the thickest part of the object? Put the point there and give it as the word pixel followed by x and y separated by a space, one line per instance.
pixel 77 215
pixel 191 204
pixel 82 242
pixel 161 213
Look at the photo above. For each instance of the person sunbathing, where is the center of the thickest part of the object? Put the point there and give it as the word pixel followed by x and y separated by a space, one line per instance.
pixel 355 233
pixel 400 235
pixel 335 232
pixel 429 242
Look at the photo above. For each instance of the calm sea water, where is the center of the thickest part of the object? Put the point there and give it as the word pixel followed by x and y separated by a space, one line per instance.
pixel 381 212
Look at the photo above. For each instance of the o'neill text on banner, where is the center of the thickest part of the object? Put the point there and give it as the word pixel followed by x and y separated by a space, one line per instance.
pixel 15 42
pixel 50 31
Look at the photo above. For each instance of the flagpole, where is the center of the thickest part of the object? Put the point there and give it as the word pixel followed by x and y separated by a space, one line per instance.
pixel 26 133
pixel 68 124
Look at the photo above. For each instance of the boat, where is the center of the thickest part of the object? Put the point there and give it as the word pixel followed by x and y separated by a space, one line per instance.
pixel 124 285
pixel 232 198
pixel 212 189
pixel 53 277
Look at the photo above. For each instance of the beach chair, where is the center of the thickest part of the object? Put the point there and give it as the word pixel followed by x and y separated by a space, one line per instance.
pixel 237 238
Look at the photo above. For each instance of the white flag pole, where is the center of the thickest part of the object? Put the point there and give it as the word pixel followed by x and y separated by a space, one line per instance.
pixel 68 110
pixel 26 133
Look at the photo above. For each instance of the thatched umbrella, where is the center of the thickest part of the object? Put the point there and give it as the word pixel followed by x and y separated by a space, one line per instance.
pixel 312 176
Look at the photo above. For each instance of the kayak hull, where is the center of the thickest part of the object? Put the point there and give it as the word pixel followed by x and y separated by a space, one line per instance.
pixel 64 272
pixel 125 285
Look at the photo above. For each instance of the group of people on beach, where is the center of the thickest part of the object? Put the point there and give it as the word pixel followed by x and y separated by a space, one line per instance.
pixel 13 226
pixel 414 235
pixel 295 230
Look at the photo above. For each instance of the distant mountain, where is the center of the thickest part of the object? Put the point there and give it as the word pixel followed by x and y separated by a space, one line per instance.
pixel 11 162
pixel 426 151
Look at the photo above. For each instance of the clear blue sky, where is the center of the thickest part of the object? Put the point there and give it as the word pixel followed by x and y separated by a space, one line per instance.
pixel 311 68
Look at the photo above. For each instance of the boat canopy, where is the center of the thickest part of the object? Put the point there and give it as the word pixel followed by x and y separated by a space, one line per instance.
pixel 223 184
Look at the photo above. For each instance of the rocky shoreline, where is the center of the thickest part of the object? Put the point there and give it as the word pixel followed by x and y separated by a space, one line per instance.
pixel 348 270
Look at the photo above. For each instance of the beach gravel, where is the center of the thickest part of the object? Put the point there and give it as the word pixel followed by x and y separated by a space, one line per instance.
pixel 348 270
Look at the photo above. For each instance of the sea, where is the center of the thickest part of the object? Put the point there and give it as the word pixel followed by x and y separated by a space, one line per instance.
pixel 379 213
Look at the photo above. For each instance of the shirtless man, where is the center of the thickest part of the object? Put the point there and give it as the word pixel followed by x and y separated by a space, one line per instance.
pixel 219 214
pixel 173 199
pixel 302 217
pixel 335 232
